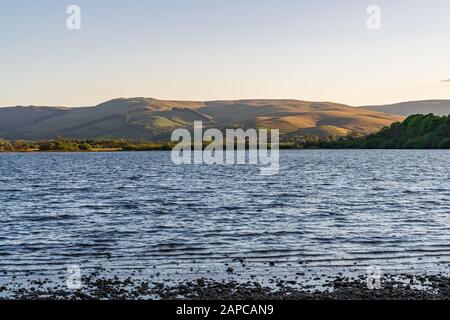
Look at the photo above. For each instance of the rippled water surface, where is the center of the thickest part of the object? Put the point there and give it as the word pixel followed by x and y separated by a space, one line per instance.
pixel 138 213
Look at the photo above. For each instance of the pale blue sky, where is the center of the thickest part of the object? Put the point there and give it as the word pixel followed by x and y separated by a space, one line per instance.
pixel 227 49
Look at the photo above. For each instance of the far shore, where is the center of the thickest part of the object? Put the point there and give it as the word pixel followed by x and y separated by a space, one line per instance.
pixel 63 151
pixel 119 150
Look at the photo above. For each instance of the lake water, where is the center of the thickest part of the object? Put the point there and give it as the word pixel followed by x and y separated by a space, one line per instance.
pixel 138 214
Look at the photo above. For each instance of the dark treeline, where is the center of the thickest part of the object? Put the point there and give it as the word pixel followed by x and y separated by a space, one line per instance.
pixel 416 132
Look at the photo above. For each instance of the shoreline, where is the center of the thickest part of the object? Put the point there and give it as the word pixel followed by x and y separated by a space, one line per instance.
pixel 96 287
pixel 168 150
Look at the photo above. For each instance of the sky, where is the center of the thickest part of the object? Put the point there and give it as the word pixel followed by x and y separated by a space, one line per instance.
pixel 227 49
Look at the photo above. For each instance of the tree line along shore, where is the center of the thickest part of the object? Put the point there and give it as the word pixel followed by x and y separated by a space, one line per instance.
pixel 80 145
pixel 415 132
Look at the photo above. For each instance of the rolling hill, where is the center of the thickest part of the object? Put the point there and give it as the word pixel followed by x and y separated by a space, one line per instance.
pixel 438 107
pixel 152 119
